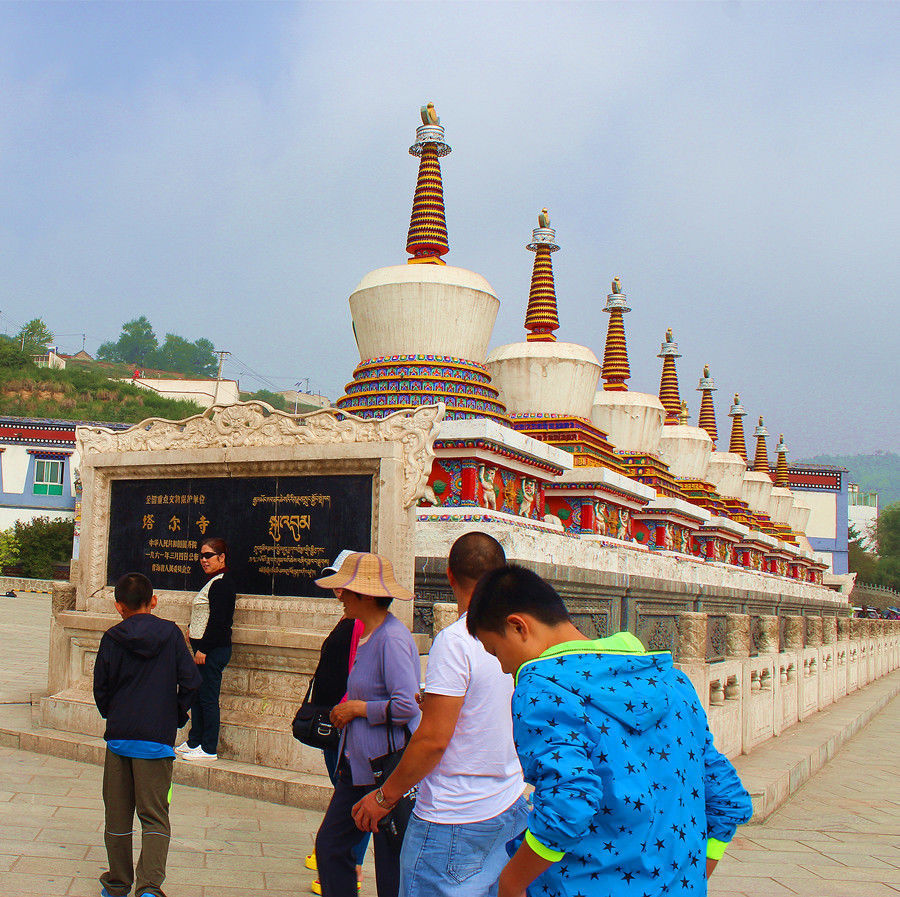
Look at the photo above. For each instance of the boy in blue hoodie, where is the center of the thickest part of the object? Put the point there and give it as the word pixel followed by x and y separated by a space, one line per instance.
pixel 631 797
pixel 144 678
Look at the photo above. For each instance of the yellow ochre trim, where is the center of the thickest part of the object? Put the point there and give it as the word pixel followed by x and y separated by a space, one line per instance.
pixel 715 849
pixel 544 852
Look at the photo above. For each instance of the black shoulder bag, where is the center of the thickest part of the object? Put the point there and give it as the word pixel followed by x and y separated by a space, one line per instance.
pixel 312 724
pixel 394 824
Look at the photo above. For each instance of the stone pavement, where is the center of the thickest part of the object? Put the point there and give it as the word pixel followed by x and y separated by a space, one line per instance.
pixel 837 836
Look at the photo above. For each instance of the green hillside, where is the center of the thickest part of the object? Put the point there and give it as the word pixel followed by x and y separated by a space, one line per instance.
pixel 878 472
pixel 77 393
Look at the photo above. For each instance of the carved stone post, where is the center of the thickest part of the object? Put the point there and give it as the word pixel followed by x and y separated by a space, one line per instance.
pixel 62 597
pixel 444 616
pixel 767 639
pixel 829 630
pixel 793 633
pixel 814 630
pixel 691 637
pixel 843 628
pixel 737 635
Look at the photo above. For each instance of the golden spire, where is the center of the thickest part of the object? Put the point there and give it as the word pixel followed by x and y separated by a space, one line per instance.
pixel 707 418
pixel 738 445
pixel 427 238
pixel 668 383
pixel 542 319
pixel 615 355
pixel 761 459
pixel 685 415
pixel 781 466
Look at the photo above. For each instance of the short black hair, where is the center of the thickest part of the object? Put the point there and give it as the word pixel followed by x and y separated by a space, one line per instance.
pixel 133 590
pixel 512 589
pixel 474 554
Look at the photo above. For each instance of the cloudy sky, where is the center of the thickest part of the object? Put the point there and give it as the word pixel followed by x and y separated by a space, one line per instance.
pixel 232 170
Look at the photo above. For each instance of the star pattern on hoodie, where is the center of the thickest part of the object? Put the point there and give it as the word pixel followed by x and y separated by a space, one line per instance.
pixel 606 720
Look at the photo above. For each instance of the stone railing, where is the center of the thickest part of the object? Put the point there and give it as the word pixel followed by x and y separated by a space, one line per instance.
pixel 778 671
pixel 775 671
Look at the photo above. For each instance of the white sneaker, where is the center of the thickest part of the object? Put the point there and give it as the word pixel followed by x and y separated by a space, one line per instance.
pixel 183 748
pixel 198 754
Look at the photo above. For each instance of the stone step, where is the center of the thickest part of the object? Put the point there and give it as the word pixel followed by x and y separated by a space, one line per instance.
pixel 773 771
pixel 283 786
pixel 243 738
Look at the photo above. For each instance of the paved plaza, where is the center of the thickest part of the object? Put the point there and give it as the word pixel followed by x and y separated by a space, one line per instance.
pixel 838 836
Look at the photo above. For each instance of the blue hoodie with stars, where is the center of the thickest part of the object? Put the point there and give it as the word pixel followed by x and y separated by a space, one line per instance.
pixel 631 795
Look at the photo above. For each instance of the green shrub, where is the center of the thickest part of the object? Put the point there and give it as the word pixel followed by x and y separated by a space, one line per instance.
pixel 9 548
pixel 42 544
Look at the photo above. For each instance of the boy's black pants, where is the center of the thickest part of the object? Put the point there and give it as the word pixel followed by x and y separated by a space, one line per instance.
pixel 131 784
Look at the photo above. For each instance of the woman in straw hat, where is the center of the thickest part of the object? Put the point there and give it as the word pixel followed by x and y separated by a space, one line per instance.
pixel 386 671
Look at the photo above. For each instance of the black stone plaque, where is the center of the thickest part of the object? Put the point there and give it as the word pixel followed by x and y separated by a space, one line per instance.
pixel 281 530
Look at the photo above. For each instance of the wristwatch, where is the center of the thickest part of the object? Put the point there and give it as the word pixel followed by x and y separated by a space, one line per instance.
pixel 380 799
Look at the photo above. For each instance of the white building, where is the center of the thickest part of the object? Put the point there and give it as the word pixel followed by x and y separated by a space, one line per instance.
pixel 863 514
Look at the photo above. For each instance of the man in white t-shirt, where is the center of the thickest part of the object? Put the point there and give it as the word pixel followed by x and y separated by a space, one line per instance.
pixel 469 802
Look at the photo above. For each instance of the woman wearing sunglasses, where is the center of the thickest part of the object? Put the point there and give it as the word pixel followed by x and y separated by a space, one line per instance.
pixel 212 614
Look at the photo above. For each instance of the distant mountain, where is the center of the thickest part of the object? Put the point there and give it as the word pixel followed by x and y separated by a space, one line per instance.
pixel 879 472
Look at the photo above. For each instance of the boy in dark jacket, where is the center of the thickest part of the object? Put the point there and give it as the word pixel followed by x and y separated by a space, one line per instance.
pixel 144 678
pixel 631 797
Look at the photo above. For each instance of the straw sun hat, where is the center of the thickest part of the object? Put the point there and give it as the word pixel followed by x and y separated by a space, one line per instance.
pixel 366 574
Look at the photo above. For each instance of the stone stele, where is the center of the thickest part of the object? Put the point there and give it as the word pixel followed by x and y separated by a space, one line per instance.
pixel 276 639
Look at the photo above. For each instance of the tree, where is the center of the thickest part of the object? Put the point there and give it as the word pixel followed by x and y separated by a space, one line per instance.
pixel 34 337
pixel 9 548
pixel 11 356
pixel 194 359
pixel 888 531
pixel 42 543
pixel 275 399
pixel 861 562
pixel 137 344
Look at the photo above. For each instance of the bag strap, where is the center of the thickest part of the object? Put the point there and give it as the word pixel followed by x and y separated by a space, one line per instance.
pixel 390 727
pixel 309 690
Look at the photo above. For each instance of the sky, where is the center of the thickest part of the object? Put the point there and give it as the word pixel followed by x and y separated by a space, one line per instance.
pixel 232 170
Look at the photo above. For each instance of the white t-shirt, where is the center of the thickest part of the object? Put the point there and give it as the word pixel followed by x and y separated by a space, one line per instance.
pixel 479 775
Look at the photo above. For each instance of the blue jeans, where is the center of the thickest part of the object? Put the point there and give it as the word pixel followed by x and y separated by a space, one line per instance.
pixel 205 705
pixel 462 860
pixel 331 762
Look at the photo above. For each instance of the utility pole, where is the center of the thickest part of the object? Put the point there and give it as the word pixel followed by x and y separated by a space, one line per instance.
pixel 221 353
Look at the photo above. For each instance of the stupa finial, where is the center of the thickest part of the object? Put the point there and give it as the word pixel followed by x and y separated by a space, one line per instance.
pixel 615 355
pixel 684 415
pixel 668 383
pixel 542 319
pixel 738 445
pixel 761 458
pixel 707 418
pixel 781 466
pixel 427 238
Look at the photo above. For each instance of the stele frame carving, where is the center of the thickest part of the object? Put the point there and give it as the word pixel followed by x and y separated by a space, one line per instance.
pixel 254 439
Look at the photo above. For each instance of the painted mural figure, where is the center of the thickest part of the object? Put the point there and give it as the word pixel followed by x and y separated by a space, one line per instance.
pixel 511 495
pixel 668 537
pixel 599 518
pixel 486 479
pixel 622 528
pixel 528 496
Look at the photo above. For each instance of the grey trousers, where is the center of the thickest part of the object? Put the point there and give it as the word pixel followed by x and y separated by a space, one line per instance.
pixel 131 784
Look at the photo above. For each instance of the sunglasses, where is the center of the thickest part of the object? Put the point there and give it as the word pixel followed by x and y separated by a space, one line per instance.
pixel 206 555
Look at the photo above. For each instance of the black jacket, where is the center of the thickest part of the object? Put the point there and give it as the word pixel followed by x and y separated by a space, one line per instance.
pixel 334 665
pixel 221 616
pixel 144 679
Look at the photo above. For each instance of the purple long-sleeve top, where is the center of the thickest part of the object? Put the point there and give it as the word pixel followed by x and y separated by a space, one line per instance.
pixel 386 669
